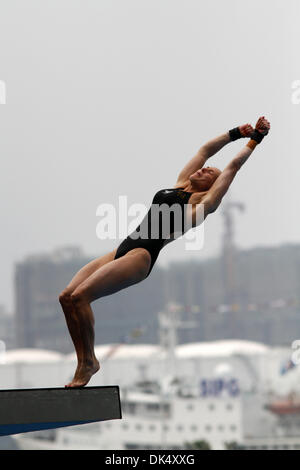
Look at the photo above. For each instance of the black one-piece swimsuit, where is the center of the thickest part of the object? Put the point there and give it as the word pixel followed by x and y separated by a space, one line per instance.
pixel 167 196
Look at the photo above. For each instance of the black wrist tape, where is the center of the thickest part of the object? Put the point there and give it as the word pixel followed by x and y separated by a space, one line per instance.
pixel 235 134
pixel 257 136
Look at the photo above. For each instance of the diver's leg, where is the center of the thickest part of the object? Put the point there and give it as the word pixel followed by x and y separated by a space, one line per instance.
pixel 110 278
pixel 67 305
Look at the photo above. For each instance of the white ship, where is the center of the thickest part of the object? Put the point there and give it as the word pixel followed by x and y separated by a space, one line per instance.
pixel 154 416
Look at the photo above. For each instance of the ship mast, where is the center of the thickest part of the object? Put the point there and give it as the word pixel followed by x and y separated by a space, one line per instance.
pixel 169 322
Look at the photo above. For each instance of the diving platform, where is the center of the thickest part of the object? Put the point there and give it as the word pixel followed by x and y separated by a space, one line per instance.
pixel 36 409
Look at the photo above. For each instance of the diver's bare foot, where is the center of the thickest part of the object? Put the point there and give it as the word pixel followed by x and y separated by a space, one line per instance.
pixel 83 374
pixel 75 375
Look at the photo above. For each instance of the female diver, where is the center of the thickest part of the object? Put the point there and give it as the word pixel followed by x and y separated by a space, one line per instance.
pixel 133 260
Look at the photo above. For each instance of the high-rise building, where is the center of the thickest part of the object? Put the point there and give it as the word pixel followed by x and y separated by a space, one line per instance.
pixel 38 282
pixel 40 323
pixel 265 306
pixel 7 329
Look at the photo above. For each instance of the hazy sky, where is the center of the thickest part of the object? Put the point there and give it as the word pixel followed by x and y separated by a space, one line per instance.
pixel 109 98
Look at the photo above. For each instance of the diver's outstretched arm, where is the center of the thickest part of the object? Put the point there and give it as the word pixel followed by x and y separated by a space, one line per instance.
pixel 211 148
pixel 220 187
